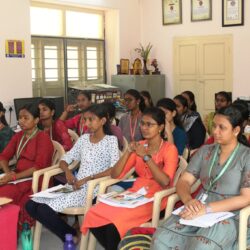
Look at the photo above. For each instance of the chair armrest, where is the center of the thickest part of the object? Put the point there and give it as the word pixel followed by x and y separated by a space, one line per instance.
pixel 91 186
pixel 158 197
pixel 54 172
pixel 38 173
pixel 174 198
pixel 243 221
pixel 106 183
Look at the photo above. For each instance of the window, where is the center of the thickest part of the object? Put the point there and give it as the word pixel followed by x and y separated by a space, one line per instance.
pixel 70 55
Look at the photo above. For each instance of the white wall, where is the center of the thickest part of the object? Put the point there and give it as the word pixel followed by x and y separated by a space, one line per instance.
pixel 15 73
pixel 161 37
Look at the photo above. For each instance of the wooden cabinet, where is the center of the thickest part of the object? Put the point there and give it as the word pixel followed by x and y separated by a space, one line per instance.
pixel 155 84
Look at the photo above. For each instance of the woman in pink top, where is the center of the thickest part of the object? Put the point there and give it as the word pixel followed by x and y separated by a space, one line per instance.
pixel 155 162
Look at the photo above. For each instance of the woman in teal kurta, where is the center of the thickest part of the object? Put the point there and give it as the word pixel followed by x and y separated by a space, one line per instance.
pixel 230 192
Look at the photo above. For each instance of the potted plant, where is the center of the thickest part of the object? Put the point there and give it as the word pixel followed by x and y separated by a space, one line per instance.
pixel 144 53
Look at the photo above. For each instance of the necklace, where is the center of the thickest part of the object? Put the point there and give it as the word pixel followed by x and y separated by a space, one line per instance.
pixel 22 145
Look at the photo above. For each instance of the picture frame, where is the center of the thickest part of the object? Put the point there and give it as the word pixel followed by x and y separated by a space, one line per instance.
pixel 232 13
pixel 124 64
pixel 201 10
pixel 171 12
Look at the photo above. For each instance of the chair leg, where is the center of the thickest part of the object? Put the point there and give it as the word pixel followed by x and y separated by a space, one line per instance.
pixel 92 242
pixel 37 236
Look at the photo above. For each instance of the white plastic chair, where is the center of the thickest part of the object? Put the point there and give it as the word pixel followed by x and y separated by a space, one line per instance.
pixel 57 155
pixel 157 198
pixel 74 136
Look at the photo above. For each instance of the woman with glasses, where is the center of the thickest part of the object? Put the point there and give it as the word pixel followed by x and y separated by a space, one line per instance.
pixel 129 123
pixel 155 162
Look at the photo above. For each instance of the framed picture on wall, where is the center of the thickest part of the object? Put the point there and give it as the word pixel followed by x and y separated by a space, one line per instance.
pixel 201 10
pixel 171 12
pixel 232 12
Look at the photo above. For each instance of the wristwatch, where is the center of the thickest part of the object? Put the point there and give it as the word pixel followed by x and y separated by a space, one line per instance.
pixel 146 158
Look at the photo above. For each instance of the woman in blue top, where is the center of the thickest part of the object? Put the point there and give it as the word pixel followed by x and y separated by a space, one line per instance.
pixel 174 131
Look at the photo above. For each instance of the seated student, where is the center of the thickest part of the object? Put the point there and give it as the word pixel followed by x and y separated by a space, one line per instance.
pixel 155 162
pixel 174 132
pixel 116 131
pixel 54 128
pixel 130 123
pixel 147 99
pixel 5 131
pixel 192 123
pixel 83 101
pixel 217 166
pixel 223 169
pixel 33 150
pixel 97 153
pixel 222 99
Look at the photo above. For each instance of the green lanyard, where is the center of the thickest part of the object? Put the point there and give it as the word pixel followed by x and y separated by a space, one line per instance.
pixel 20 146
pixel 229 160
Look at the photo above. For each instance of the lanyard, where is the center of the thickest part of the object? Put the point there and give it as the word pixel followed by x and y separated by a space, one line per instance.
pixel 229 160
pixel 81 125
pixel 20 146
pixel 132 129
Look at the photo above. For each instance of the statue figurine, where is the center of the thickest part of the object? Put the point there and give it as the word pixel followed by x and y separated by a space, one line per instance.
pixel 155 65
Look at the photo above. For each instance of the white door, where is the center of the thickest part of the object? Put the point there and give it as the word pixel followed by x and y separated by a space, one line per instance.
pixel 204 66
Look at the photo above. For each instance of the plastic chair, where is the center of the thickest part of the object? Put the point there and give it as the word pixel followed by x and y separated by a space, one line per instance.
pixel 243 226
pixel 125 144
pixel 57 155
pixel 79 211
pixel 74 136
pixel 157 197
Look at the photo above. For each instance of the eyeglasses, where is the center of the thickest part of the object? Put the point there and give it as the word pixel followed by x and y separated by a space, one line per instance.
pixel 147 124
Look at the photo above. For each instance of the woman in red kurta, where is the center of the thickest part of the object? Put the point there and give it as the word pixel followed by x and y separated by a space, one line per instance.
pixel 33 150
pixel 55 129
pixel 155 162
pixel 83 101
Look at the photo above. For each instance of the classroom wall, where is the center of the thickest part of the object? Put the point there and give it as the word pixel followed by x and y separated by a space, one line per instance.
pixel 161 37
pixel 15 73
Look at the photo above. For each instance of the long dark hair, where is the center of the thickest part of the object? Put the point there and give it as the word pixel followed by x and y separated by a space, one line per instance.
pixel 146 94
pixel 191 96
pixel 235 117
pixel 32 109
pixel 100 111
pixel 170 105
pixel 2 118
pixel 137 96
pixel 158 115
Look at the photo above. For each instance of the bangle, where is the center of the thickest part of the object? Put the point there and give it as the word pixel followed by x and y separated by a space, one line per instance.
pixel 13 176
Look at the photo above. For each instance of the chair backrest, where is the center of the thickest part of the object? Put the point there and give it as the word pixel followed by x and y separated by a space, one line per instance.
pixel 125 144
pixel 181 168
pixel 58 152
pixel 185 154
pixel 74 136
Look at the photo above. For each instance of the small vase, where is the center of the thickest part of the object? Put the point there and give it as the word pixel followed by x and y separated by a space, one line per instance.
pixel 145 69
